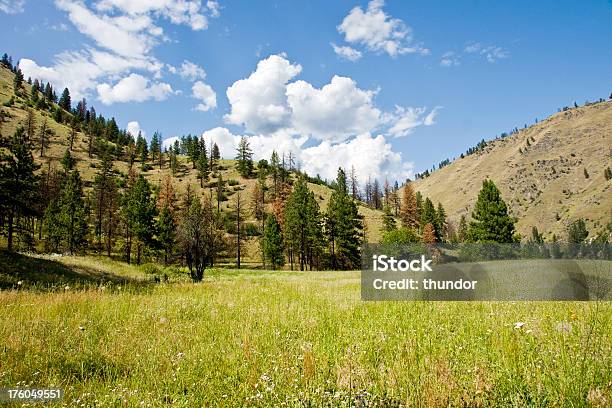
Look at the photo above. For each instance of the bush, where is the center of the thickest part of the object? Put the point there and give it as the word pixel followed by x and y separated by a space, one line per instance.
pixel 151 269
pixel 232 182
pixel 251 230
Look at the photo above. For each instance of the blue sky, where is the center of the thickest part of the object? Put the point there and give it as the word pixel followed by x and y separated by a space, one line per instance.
pixel 415 82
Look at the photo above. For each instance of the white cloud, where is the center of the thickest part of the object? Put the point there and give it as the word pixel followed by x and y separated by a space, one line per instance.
pixel 206 94
pixel 371 156
pixel 214 7
pixel 189 12
pixel 123 35
pixel 169 142
pixel 405 120
pixel 379 32
pixel 259 101
pixel 191 71
pixel 133 128
pixel 12 6
pixel 492 53
pixel 346 52
pixel 450 59
pixel 133 88
pixel 335 112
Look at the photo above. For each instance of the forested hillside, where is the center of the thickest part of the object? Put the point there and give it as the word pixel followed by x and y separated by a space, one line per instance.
pixel 74 182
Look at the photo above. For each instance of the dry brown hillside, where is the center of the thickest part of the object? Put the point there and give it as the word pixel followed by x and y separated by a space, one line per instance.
pixel 540 172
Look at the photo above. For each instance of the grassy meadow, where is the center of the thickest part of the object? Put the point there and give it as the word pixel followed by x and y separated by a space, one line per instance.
pixel 110 336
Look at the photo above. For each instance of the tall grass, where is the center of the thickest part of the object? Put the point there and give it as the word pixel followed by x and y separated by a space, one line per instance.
pixel 301 339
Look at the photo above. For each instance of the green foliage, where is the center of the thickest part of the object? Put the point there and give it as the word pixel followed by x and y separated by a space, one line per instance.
pixel 389 223
pixel 343 227
pixel 303 234
pixel 65 102
pixel 18 182
pixel 577 232
pixel 139 212
pixel 244 157
pixel 490 219
pixel 403 235
pixel 166 232
pixel 272 243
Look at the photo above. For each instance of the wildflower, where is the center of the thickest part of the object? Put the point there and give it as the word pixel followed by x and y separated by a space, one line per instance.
pixel 20 283
pixel 81 328
pixel 519 325
pixel 563 327
pixel 67 287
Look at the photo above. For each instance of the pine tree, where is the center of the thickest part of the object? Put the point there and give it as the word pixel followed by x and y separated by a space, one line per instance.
pixel 302 227
pixel 272 243
pixel 389 223
pixel 18 182
pixel 490 219
pixel 73 213
pixel 577 232
pixel 408 209
pixel 428 214
pixel 441 223
pixel 17 82
pixel 139 212
pixel 64 101
pixel 166 232
pixel 244 158
pixel 202 166
pixel 215 154
pixel 142 150
pixel 343 226
pixel 155 147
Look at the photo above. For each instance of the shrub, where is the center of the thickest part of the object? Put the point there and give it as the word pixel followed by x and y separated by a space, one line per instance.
pixel 232 182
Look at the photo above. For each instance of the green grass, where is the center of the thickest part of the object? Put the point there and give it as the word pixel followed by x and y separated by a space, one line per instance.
pixel 264 338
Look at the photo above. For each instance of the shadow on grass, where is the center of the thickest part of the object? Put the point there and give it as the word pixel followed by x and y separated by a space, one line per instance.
pixel 23 271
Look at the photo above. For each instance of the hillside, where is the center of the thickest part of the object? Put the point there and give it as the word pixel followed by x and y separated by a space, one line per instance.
pixel 186 176
pixel 540 172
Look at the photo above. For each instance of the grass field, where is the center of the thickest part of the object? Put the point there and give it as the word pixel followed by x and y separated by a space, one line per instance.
pixel 257 338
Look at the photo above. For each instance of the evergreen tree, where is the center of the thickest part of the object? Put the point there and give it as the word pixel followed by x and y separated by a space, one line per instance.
pixel 536 237
pixel 429 234
pixel 64 101
pixel 215 154
pixel 272 243
pixel 244 158
pixel 18 183
pixel 166 232
pixel 428 214
pixel 139 212
pixel 44 134
pixel 388 219
pixel 302 227
pixel 202 166
pixel 73 213
pixel 343 226
pixel 577 232
pixel 17 81
pixel 490 219
pixel 155 146
pixel 142 150
pixel 441 224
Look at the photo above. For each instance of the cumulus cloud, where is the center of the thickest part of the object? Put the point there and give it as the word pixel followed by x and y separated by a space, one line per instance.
pixel 346 52
pixel 259 102
pixel 191 71
pixel 205 94
pixel 12 6
pixel 169 142
pixel 133 128
pixel 377 31
pixel 188 12
pixel 492 53
pixel 335 112
pixel 133 88
pixel 124 33
pixel 405 120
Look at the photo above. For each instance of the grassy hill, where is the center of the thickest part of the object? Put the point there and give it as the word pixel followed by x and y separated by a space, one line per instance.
pixel 540 172
pixel 59 142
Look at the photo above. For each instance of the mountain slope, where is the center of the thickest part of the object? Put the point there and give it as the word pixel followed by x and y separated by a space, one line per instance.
pixel 540 172
pixel 186 176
